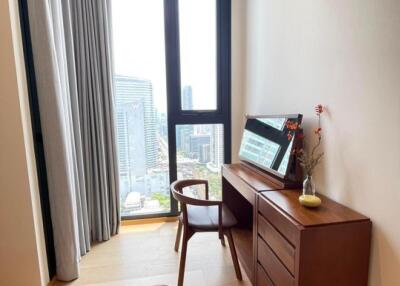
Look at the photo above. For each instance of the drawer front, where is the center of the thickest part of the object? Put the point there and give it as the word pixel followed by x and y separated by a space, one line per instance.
pixel 282 248
pixel 262 277
pixel 283 224
pixel 279 275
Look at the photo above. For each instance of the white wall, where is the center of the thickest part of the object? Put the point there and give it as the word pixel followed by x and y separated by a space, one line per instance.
pixel 344 54
pixel 22 248
pixel 238 73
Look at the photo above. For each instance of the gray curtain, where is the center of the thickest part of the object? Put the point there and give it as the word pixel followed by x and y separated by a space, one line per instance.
pixel 72 56
pixel 91 34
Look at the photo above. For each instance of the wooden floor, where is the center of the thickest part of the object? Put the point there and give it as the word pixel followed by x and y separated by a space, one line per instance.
pixel 143 255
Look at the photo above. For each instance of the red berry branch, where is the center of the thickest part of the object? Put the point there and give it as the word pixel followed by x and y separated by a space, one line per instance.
pixel 308 162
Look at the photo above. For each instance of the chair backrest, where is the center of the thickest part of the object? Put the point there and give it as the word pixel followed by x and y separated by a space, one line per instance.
pixel 177 192
pixel 178 186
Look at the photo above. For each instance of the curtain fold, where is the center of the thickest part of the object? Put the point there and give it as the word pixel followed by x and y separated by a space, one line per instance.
pixel 71 43
pixel 92 38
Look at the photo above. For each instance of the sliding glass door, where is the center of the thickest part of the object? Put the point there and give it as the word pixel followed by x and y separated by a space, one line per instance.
pixel 172 98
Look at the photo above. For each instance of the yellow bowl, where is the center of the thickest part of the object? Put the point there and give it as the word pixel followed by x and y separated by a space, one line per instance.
pixel 309 201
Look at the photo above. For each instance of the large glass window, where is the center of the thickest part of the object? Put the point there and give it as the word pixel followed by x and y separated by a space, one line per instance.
pixel 198 30
pixel 200 154
pixel 140 96
pixel 172 98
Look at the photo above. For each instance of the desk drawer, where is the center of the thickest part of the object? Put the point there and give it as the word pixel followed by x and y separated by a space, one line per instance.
pixel 282 248
pixel 262 277
pixel 281 222
pixel 280 276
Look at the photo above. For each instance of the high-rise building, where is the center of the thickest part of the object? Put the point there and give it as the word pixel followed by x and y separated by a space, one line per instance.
pixel 135 129
pixel 162 125
pixel 196 144
pixel 183 132
pixel 217 145
pixel 204 156
pixel 136 145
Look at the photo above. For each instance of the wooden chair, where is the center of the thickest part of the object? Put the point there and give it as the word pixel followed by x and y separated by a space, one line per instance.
pixel 198 215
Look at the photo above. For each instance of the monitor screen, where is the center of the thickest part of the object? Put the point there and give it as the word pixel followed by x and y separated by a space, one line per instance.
pixel 265 142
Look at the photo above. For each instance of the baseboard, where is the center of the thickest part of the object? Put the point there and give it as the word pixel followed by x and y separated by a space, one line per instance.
pixel 149 220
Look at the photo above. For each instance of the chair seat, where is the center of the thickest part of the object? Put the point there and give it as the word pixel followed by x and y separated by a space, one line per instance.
pixel 206 217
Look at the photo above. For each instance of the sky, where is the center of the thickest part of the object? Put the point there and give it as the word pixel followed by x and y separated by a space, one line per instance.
pixel 139 49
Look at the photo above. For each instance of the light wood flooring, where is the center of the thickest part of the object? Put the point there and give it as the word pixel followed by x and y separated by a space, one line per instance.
pixel 143 255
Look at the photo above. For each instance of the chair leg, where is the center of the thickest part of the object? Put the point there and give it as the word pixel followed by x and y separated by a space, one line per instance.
pixel 182 261
pixel 178 235
pixel 223 241
pixel 234 255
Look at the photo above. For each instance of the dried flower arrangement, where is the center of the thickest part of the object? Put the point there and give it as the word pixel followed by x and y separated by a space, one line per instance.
pixel 307 161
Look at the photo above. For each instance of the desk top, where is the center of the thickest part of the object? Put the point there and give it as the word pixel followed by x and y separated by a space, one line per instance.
pixel 330 212
pixel 253 179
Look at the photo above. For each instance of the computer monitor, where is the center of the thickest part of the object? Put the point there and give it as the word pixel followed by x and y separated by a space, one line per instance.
pixel 266 144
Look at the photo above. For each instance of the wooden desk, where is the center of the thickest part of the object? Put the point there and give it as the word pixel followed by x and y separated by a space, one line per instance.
pixel 240 186
pixel 281 243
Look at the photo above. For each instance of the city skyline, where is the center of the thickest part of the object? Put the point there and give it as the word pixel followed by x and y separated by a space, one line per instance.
pixel 142 139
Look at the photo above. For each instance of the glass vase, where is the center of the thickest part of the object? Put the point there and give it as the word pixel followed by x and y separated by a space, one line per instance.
pixel 309 186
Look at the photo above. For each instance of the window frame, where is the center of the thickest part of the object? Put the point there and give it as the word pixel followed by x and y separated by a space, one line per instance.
pixel 175 114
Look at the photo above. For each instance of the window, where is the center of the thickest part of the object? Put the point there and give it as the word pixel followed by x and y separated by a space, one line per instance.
pixel 198 54
pixel 141 111
pixel 200 154
pixel 172 95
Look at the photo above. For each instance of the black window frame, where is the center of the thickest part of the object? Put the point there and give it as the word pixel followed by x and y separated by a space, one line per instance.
pixel 175 114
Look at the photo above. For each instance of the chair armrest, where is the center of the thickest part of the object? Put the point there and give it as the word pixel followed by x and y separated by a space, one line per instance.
pixel 180 184
pixel 195 202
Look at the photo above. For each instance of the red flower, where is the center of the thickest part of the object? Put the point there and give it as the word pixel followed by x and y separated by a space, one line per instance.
pixel 289 136
pixel 318 130
pixel 319 109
